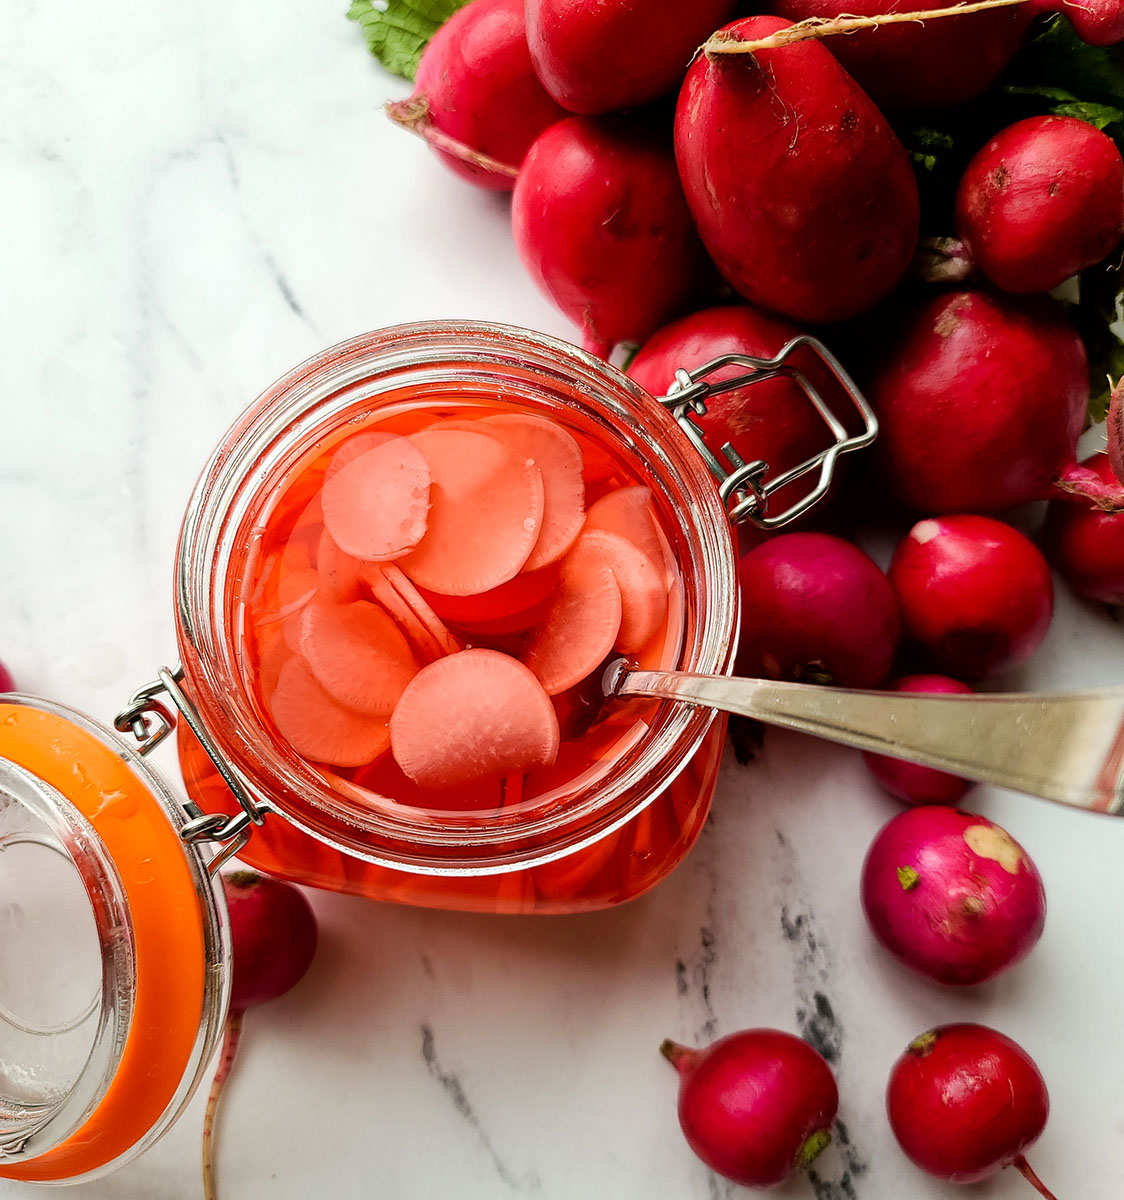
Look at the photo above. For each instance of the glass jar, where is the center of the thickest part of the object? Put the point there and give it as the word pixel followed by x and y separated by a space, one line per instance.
pixel 608 836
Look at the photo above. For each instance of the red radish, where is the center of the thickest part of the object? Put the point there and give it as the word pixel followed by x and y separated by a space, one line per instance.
pixel 559 460
pixel 580 627
pixel 273 939
pixel 907 781
pixel 1097 22
pixel 472 716
pixel 320 728
pixel 601 224
pixel 755 1106
pixel 485 514
pixel 593 58
pixel 800 189
pixel 816 609
pixel 7 684
pixel 1041 201
pixel 965 1101
pixel 375 506
pixel 952 895
pixel 358 654
pixel 477 100
pixel 1086 545
pixel 937 64
pixel 772 420
pixel 975 594
pixel 980 401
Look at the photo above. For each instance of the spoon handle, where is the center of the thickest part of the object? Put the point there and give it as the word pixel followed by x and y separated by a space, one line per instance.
pixel 1063 746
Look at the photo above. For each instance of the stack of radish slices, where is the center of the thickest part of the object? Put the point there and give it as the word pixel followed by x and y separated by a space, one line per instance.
pixel 440 610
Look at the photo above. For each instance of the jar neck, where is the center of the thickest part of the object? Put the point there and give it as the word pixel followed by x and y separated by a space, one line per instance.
pixel 371 375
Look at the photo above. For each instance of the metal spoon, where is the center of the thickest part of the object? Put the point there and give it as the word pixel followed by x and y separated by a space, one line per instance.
pixel 1062 746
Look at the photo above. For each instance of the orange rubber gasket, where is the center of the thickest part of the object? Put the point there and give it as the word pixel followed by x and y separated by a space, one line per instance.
pixel 167 923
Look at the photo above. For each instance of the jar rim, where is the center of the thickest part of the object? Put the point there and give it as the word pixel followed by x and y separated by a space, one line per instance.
pixel 316 398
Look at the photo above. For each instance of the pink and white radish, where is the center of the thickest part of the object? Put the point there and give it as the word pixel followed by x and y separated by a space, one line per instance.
pixel 755 1106
pixel 477 100
pixel 980 400
pixel 815 609
pixel 800 189
pixel 965 1101
pixel 975 595
pixel 951 895
pixel 593 58
pixel 1041 201
pixel 601 224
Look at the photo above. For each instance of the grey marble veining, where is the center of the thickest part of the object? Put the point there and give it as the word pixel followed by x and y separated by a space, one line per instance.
pixel 194 197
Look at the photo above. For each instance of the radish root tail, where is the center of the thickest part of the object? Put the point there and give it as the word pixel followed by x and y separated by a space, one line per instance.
pixel 1027 1171
pixel 1115 430
pixel 230 1038
pixel 724 42
pixel 413 115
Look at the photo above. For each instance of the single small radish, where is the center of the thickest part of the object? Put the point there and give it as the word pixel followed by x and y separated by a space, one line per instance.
pixel 980 400
pixel 1041 201
pixel 815 609
pixel 602 226
pixel 975 595
pixel 273 940
pixel 908 781
pixel 964 1101
pixel 477 100
pixel 1085 545
pixel 922 66
pixel 755 1106
pixel 771 420
pixel 7 684
pixel 593 58
pixel 801 191
pixel 952 895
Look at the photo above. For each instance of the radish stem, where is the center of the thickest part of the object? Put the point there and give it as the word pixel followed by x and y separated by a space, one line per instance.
pixel 413 114
pixel 232 1033
pixel 1027 1171
pixel 821 27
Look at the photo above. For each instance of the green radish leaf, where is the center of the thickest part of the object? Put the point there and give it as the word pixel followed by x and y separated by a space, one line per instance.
pixel 1066 104
pixel 1097 315
pixel 397 31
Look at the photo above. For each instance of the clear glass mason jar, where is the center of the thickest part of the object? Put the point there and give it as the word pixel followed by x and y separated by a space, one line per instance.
pixel 603 841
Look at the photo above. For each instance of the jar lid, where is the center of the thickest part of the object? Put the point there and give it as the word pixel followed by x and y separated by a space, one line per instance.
pixel 112 980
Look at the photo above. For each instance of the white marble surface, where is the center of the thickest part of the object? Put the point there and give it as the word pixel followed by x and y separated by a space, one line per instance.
pixel 195 196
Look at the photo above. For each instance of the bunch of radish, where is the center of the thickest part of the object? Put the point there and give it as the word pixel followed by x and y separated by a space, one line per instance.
pixel 690 187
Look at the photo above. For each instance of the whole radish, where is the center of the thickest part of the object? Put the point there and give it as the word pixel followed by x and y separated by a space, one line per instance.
pixel 815 609
pixel 975 595
pixel 1041 201
pixel 952 895
pixel 772 420
pixel 800 189
pixel 273 939
pixel 910 782
pixel 477 100
pixel 601 224
pixel 593 58
pixel 755 1106
pixel 937 64
pixel 965 1101
pixel 1086 545
pixel 980 400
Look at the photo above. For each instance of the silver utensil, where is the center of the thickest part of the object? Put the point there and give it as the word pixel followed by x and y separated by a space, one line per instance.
pixel 1062 746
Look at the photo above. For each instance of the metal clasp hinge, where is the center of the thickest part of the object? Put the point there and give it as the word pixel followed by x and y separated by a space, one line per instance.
pixel 150 722
pixel 745 487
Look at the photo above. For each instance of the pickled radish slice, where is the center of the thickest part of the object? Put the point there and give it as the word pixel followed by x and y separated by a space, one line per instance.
pixel 375 506
pixel 355 447
pixel 417 605
pixel 642 586
pixel 319 728
pixel 358 654
pixel 424 644
pixel 275 653
pixel 627 512
pixel 474 715
pixel 510 608
pixel 559 459
pixel 485 514
pixel 581 625
pixel 339 572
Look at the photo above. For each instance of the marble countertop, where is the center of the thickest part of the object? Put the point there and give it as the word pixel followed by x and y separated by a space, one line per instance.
pixel 197 196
